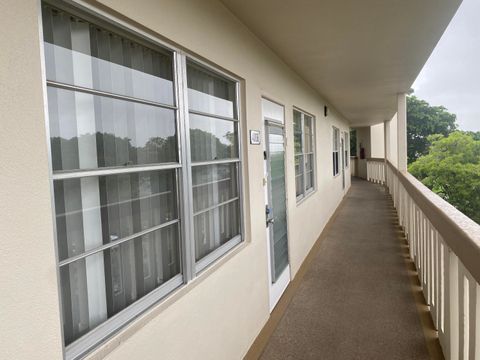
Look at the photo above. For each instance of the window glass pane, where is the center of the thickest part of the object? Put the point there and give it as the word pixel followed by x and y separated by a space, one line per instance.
pixel 299 169
pixel 213 185
pixel 212 138
pixel 89 131
pixel 216 206
pixel 309 180
pixel 83 54
pixel 99 286
pixel 309 162
pixel 335 139
pixel 335 155
pixel 209 92
pixel 297 132
pixel 94 211
pixel 299 179
pixel 215 227
pixel 308 134
pixel 298 164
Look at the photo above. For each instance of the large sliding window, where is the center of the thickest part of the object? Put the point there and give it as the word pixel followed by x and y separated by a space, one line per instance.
pixel 336 150
pixel 125 196
pixel 215 161
pixel 304 145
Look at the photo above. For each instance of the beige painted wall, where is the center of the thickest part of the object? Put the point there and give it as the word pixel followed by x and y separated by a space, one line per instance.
pixel 377 141
pixel 392 143
pixel 219 314
pixel 29 310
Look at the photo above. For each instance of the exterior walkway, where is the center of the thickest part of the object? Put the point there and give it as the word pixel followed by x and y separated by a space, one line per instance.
pixel 355 301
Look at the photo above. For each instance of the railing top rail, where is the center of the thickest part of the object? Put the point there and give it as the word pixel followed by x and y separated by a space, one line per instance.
pixel 460 232
pixel 376 159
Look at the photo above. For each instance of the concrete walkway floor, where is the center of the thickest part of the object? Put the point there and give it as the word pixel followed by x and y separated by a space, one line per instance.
pixel 355 300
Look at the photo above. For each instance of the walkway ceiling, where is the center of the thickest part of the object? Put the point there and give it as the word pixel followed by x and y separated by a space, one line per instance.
pixel 358 54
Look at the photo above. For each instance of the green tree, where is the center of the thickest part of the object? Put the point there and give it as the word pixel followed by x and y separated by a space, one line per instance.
pixel 452 170
pixel 424 120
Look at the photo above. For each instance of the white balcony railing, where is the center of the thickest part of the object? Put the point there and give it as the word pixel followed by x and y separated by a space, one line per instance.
pixel 445 247
pixel 376 170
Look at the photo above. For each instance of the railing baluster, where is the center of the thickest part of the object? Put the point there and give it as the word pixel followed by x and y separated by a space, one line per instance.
pixel 443 297
pixel 436 281
pixel 424 258
pixel 453 306
pixel 417 237
pixel 476 327
pixel 463 309
pixel 422 253
pixel 429 265
pixel 425 249
pixel 452 293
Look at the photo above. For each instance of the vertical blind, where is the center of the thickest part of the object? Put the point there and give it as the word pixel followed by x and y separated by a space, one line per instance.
pixel 117 171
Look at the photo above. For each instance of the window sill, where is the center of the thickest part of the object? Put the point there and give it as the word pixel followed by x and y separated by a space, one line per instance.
pixel 111 343
pixel 306 196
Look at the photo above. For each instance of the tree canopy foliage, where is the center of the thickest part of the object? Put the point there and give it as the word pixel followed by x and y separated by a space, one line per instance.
pixel 424 120
pixel 452 170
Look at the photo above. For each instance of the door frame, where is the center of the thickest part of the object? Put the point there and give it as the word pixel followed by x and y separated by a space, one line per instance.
pixel 275 292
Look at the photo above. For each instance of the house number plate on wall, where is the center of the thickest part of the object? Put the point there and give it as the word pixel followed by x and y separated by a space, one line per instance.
pixel 255 137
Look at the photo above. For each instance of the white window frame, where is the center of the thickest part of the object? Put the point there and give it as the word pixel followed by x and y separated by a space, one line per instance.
pixel 306 192
pixel 190 269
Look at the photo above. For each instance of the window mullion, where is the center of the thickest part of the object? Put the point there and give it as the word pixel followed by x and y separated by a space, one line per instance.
pixel 186 176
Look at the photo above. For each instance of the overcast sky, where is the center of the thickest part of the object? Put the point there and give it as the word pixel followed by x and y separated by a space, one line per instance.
pixel 451 77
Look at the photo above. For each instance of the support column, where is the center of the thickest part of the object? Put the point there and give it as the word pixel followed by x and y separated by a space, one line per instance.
pixel 402 132
pixel 386 138
pixel 386 145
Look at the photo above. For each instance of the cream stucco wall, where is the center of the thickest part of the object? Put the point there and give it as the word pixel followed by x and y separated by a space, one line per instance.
pixel 219 314
pixel 29 310
pixel 392 142
pixel 377 140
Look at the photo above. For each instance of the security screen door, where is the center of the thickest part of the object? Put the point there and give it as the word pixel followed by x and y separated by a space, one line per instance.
pixel 275 209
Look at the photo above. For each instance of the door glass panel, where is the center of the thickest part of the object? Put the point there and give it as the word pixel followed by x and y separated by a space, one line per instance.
pixel 278 230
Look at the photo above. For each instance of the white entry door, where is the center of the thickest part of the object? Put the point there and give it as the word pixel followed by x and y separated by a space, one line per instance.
pixel 275 200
